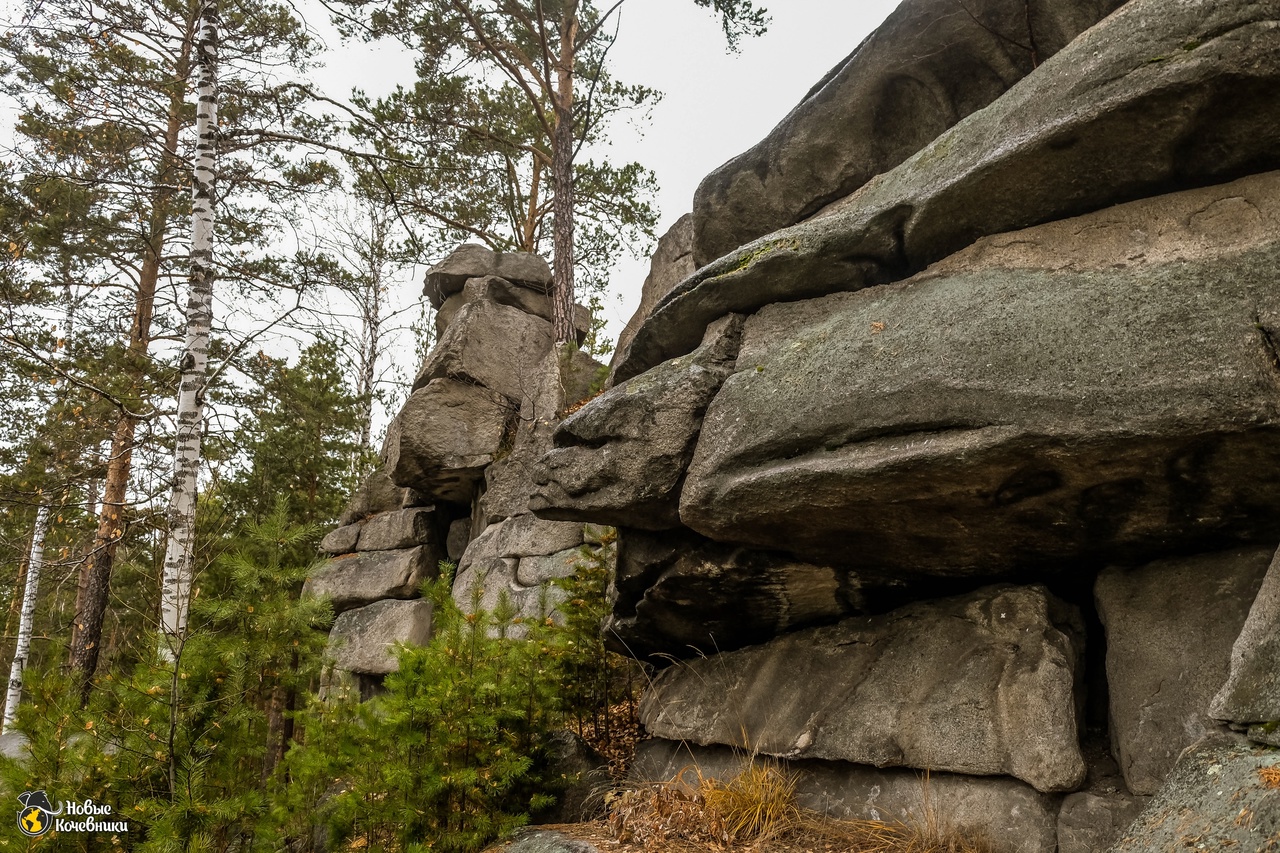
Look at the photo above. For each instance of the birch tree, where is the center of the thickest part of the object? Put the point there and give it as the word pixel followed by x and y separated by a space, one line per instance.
pixel 176 584
pixel 30 590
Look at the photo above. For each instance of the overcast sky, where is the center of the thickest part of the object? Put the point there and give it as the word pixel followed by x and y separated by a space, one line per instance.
pixel 715 104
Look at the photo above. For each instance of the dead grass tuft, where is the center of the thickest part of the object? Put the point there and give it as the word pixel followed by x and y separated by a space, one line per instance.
pixel 1270 776
pixel 757 804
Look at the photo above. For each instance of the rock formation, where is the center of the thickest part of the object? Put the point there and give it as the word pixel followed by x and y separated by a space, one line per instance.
pixel 960 452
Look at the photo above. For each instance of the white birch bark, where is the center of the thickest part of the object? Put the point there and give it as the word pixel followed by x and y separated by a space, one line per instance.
pixel 23 649
pixel 176 585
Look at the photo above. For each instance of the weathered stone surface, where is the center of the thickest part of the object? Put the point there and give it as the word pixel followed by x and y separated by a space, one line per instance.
pixel 458 539
pixel 359 579
pixel 581 779
pixel 1154 98
pixel 1170 625
pixel 483 582
pixel 563 380
pixel 1216 798
pixel 926 67
pixel 1252 691
pixel 982 683
pixel 525 536
pixel 364 640
pixel 548 841
pixel 376 494
pixel 981 417
pixel 1012 816
pixel 404 528
pixel 496 346
pixel 1090 823
pixel 471 260
pixel 341 541
pixel 532 571
pixel 676 594
pixel 503 292
pixel 621 458
pixel 672 262
pixel 445 435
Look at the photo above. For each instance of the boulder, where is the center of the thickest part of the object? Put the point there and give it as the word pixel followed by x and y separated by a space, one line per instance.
pixel 548 841
pixel 1252 692
pixel 564 380
pixel 485 583
pixel 359 579
pixel 364 640
pixel 471 260
pixel 982 683
pixel 672 262
pixel 676 595
pixel 531 571
pixel 445 436
pixel 458 539
pixel 1097 389
pixel 491 345
pixel 377 493
pixel 493 289
pixel 621 458
pixel 930 64
pixel 1011 816
pixel 405 528
pixel 1222 795
pixel 341 541
pixel 1169 627
pixel 1154 98
pixel 1089 822
pixel 524 536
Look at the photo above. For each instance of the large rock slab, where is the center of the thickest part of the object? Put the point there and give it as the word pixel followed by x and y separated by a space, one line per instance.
pixel 496 346
pixel 930 64
pixel 503 292
pixel 676 595
pixel 359 579
pixel 1102 388
pixel 1012 816
pixel 445 436
pixel 1170 626
pixel 472 260
pixel 620 459
pixel 364 640
pixel 982 683
pixel 1090 823
pixel 672 263
pixel 405 528
pixel 1222 795
pixel 1154 98
pixel 1251 695
pixel 564 380
pixel 376 493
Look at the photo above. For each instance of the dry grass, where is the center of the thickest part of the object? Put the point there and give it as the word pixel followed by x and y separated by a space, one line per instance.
pixel 1270 776
pixel 757 811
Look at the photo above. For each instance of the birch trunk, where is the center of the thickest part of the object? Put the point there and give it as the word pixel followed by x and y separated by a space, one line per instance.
pixel 176 586
pixel 23 649
pixel 562 181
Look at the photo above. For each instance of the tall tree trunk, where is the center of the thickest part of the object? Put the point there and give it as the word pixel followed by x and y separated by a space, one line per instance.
pixel 23 649
pixel 175 589
pixel 562 180
pixel 94 584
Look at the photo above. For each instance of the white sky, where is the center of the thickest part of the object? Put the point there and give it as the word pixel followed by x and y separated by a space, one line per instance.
pixel 715 105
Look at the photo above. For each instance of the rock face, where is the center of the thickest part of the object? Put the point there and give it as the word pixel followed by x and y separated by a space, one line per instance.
pixel 926 67
pixel 1012 816
pixel 982 683
pixel 1251 694
pixel 364 640
pixel 622 458
pixel 672 262
pixel 1170 626
pixel 359 579
pixel 979 417
pixel 677 594
pixel 472 260
pixel 491 345
pixel 491 288
pixel 1154 98
pixel 1222 795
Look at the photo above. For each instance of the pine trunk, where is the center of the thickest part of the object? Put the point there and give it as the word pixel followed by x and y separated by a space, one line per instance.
pixel 562 182
pixel 175 588
pixel 23 649
pixel 93 588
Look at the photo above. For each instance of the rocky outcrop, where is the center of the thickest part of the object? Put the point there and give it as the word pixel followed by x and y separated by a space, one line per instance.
pixel 491 288
pixel 364 641
pixel 1084 390
pixel 490 345
pixel 982 684
pixel 1170 626
pixel 472 260
pixel 1153 98
pixel 930 64
pixel 1250 698
pixel 355 580
pixel 1222 795
pixel 672 262
pixel 622 459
